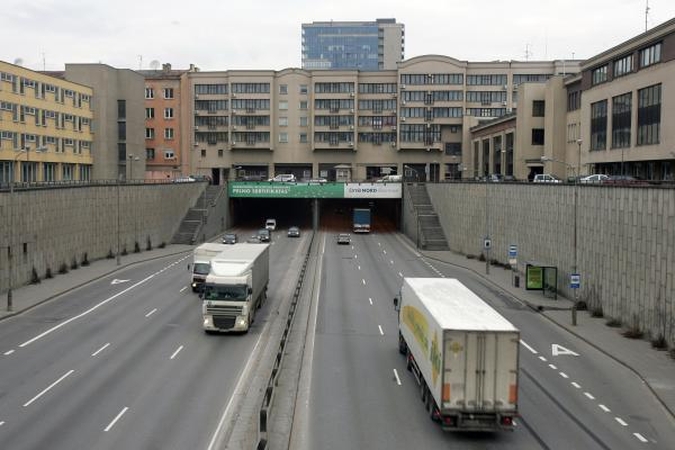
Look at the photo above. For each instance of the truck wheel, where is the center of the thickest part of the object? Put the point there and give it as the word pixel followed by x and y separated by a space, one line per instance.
pixel 423 392
pixel 408 361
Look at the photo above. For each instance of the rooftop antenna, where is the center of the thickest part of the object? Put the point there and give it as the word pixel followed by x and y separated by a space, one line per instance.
pixel 646 14
pixel 140 62
pixel 44 62
pixel 528 53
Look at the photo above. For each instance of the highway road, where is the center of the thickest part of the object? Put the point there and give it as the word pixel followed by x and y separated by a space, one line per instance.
pixel 361 396
pixel 123 363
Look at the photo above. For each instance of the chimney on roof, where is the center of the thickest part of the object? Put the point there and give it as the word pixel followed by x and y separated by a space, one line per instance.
pixel 166 67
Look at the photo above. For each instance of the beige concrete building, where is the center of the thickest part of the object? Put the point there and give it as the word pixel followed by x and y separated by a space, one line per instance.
pixel 413 121
pixel 45 127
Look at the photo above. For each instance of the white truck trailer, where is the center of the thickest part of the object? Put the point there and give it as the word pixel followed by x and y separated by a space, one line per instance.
pixel 462 353
pixel 236 287
pixel 201 262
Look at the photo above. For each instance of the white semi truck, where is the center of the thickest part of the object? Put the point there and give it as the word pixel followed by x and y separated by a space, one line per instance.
pixel 201 262
pixel 235 287
pixel 462 353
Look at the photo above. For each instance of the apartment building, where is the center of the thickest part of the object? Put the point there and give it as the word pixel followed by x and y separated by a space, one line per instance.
pixel 367 124
pixel 377 45
pixel 164 157
pixel 45 128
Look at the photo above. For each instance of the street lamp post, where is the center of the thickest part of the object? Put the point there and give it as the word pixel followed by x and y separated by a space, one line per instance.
pixel 486 241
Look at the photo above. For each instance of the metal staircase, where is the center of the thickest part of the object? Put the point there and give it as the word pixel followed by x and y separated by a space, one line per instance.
pixel 190 228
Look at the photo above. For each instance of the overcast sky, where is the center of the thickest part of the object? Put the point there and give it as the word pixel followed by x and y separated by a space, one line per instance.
pixel 265 34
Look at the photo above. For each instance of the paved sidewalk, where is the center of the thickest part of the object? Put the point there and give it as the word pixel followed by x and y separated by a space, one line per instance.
pixel 656 368
pixel 26 297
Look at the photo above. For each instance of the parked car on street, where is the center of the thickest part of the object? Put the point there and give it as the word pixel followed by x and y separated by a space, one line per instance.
pixel 546 178
pixel 595 178
pixel 624 180
pixel 294 232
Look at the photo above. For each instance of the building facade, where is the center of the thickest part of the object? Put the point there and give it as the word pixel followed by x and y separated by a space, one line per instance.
pixel 45 128
pixel 368 46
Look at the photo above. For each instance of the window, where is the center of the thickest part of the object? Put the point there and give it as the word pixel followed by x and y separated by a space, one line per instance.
pixel 538 108
pixel 149 93
pixel 168 113
pixel 220 153
pixel 168 133
pixel 599 125
pixel 168 93
pixel 599 75
pixel 149 133
pixel 621 112
pixel 150 154
pixel 283 121
pixel 170 155
pixel 623 66
pixel 303 89
pixel 649 115
pixel 283 89
pixel 303 104
pixel 283 138
pixel 149 113
pixel 650 55
pixel 573 100
pixel 303 138
pixel 283 105
pixel 303 121
pixel 537 136
pixel 121 109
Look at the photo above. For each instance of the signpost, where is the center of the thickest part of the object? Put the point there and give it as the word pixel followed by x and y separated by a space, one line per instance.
pixel 513 261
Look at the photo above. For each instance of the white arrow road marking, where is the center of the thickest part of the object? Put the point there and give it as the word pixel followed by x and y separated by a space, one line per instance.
pixel 116 281
pixel 557 350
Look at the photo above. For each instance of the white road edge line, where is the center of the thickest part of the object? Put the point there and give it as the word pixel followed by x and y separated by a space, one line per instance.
pixel 151 312
pixel 176 352
pixel 93 308
pixel 532 350
pixel 184 287
pixel 114 421
pixel 8 352
pixel 604 408
pixel 637 435
pixel 101 349
pixel 398 380
pixel 63 377
pixel 381 332
pixel 370 300
pixel 621 421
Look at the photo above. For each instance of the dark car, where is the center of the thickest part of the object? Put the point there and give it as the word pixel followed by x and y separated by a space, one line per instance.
pixel 264 235
pixel 344 239
pixel 624 180
pixel 294 232
pixel 229 238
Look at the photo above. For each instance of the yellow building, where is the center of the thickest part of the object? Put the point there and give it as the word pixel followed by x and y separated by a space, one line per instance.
pixel 45 128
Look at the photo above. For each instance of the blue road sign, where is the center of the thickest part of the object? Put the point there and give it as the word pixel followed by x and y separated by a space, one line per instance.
pixel 513 251
pixel 575 281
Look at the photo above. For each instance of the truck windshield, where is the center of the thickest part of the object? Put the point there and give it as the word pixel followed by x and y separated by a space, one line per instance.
pixel 223 292
pixel 202 268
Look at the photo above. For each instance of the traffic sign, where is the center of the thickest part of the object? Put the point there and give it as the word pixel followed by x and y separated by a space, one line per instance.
pixel 513 251
pixel 575 281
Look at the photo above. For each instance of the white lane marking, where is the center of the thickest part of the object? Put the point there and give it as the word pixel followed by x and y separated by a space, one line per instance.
pixel 391 261
pixel 604 408
pixel 543 358
pixel 176 352
pixel 400 274
pixel 524 344
pixel 370 300
pixel 117 417
pixel 358 267
pixel 92 309
pixel 101 349
pixel 63 377
pixel 576 385
pixel 184 288
pixel 8 352
pixel 552 366
pixel 637 435
pixel 621 421
pixel 589 395
pixel 381 332
pixel 2 423
pixel 398 380
pixel 355 256
pixel 151 312
pixel 384 251
pixel 116 281
pixel 564 375
pixel 363 281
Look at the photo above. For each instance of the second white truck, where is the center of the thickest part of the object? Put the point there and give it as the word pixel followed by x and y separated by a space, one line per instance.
pixel 235 287
pixel 201 262
pixel 462 353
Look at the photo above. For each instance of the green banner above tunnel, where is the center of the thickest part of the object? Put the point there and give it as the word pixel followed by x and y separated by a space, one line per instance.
pixel 243 189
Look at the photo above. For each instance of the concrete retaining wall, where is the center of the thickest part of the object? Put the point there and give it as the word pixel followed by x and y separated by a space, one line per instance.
pixel 55 227
pixel 626 240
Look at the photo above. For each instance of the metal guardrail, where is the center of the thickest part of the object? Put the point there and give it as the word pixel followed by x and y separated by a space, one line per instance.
pixel 267 405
